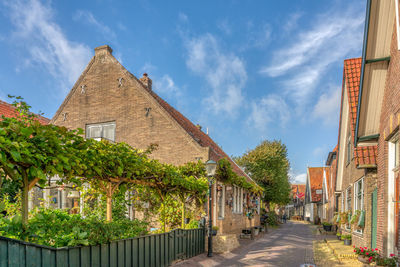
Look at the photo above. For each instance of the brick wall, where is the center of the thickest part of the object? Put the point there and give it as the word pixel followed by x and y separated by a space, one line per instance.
pixel 388 122
pixel 140 121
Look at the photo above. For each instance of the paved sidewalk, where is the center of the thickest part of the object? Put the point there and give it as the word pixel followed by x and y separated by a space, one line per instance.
pixel 289 245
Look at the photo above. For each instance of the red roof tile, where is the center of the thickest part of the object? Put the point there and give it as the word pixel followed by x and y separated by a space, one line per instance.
pixel 365 155
pixel 298 188
pixel 316 179
pixel 8 110
pixel 216 153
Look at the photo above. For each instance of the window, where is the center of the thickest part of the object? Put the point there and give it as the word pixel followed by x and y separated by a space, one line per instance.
pixel 348 199
pixel 101 130
pixel 359 195
pixel 337 203
pixel 237 199
pixel 342 197
pixel 348 150
pixel 396 153
pixel 221 201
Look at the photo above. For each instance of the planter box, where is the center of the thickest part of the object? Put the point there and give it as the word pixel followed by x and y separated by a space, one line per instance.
pixel 327 228
pixel 214 232
pixel 347 242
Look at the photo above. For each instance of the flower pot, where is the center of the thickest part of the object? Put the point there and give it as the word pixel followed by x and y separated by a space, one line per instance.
pixel 214 232
pixel 327 228
pixel 347 242
pixel 338 237
pixel 363 259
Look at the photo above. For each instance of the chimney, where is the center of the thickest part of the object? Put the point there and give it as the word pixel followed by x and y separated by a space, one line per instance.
pixel 198 126
pixel 146 81
pixel 102 50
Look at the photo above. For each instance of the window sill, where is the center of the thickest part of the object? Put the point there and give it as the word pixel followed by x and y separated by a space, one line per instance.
pixel 359 234
pixel 221 218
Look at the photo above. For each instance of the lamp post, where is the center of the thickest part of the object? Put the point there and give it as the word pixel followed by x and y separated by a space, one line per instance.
pixel 211 167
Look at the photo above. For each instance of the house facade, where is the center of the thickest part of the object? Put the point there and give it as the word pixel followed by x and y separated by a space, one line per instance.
pixel 331 196
pixel 313 208
pixel 296 205
pixel 378 114
pixel 107 101
pixel 356 170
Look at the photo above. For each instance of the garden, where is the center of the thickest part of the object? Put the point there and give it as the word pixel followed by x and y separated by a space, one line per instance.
pixel 104 173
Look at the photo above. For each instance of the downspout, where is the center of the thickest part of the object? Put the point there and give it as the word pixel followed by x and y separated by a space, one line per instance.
pixel 364 55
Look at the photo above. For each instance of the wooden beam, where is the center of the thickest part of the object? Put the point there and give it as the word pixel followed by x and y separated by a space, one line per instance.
pixel 368 61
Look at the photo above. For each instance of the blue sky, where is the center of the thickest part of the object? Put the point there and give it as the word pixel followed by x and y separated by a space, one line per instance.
pixel 246 70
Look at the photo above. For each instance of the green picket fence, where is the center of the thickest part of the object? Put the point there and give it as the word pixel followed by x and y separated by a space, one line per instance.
pixel 145 251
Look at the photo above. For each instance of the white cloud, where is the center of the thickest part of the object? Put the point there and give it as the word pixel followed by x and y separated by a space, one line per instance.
pixel 87 16
pixel 45 42
pixel 304 61
pixel 300 178
pixel 166 86
pixel 271 108
pixel 183 17
pixel 224 72
pixel 327 107
pixel 291 22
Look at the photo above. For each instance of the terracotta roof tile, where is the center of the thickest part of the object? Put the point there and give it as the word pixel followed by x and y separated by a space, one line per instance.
pixel 216 153
pixel 298 188
pixel 315 178
pixel 8 110
pixel 365 155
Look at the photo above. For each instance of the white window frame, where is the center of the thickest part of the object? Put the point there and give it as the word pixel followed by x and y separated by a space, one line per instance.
pixel 221 203
pixel 241 201
pixel 356 201
pixel 393 162
pixel 396 4
pixel 102 125
pixel 347 197
pixel 356 193
pixel 342 198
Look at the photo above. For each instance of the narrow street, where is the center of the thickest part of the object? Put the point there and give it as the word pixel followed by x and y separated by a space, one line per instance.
pixel 289 245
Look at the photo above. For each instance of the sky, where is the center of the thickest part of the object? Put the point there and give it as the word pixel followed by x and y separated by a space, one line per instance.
pixel 246 70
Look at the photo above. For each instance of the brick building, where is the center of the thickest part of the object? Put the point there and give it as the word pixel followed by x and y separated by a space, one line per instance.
pixel 330 194
pixel 356 168
pixel 378 115
pixel 296 205
pixel 107 101
pixel 313 210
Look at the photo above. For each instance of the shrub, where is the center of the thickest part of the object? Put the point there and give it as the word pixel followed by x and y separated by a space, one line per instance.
pixel 57 228
pixel 272 218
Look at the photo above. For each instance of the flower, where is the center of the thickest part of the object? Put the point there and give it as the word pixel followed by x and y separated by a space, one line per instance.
pixel 376 249
pixel 391 255
pixel 354 250
pixel 370 258
pixel 365 248
pixel 367 253
pixel 354 246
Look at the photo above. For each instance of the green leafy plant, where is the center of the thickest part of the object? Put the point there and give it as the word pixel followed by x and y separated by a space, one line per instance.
pixel 346 237
pixel 390 261
pixel 215 228
pixel 326 224
pixel 355 217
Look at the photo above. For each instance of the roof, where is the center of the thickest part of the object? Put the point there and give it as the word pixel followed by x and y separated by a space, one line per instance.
pixel 331 156
pixel 365 155
pixel 315 176
pixel 298 188
pixel 216 153
pixel 8 110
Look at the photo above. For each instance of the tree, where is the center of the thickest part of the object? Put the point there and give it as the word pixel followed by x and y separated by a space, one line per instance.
pixel 269 166
pixel 30 151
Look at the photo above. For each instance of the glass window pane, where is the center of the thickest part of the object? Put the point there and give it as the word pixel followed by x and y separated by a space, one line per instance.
pixel 109 132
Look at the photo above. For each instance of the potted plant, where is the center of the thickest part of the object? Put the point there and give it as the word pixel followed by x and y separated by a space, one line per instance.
pixel 339 235
pixel 327 226
pixel 366 255
pixel 214 230
pixel 346 239
pixel 384 261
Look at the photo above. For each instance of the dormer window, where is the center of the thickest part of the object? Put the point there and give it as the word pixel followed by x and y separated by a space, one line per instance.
pixel 100 131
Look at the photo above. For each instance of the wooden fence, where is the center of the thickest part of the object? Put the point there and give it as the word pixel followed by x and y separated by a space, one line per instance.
pixel 145 251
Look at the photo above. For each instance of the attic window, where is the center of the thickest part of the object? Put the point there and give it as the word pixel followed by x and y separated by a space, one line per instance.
pixel 83 89
pixel 100 131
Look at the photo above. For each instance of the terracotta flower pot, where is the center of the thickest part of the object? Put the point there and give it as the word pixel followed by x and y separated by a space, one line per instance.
pixel 363 259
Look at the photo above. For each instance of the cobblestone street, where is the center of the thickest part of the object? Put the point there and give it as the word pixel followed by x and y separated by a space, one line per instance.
pixel 289 245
